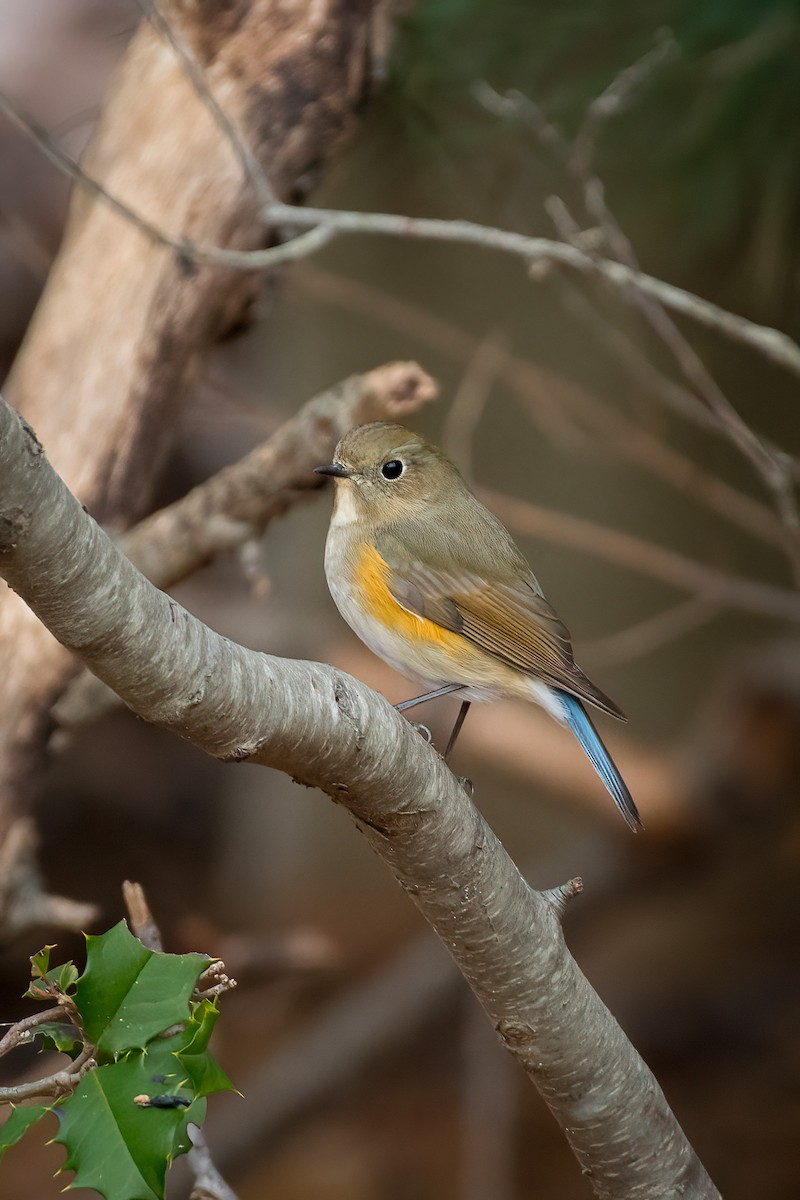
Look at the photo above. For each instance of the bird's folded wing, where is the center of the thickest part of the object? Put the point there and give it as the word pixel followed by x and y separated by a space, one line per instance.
pixel 510 620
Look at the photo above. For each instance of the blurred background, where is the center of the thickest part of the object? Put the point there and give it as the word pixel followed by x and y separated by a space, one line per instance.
pixel 367 1070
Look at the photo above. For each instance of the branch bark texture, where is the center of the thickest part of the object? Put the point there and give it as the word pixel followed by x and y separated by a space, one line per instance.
pixel 329 731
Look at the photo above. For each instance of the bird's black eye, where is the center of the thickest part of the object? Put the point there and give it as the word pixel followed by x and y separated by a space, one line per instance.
pixel 392 469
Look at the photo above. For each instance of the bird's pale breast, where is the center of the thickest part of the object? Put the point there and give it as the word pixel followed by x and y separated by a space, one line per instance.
pixel 358 580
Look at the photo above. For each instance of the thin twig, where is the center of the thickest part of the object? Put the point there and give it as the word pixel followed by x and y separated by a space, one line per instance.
pixel 471 398
pixel 19 1031
pixel 577 159
pixel 771 343
pixel 636 554
pixel 188 251
pixel 208 1183
pixel 143 923
pixel 619 94
pixel 52 1086
pixel 651 634
pixel 323 224
pixel 552 401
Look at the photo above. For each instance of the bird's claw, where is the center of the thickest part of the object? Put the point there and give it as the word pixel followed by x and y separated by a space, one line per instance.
pixel 423 731
pixel 467 785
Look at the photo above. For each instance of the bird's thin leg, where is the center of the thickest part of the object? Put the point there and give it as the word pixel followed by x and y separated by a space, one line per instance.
pixel 442 691
pixel 462 714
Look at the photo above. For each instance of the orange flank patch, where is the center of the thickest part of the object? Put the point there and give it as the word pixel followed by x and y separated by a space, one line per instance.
pixel 372 574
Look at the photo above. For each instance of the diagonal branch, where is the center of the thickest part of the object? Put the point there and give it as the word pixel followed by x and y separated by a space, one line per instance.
pixel 329 731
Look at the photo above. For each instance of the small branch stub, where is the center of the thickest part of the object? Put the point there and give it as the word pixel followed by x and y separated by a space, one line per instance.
pixel 559 897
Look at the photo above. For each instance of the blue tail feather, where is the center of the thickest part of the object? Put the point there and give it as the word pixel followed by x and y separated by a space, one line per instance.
pixel 578 720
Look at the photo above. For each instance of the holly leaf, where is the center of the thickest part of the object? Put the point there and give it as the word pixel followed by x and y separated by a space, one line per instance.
pixel 47 980
pixel 204 1073
pixel 129 993
pixel 19 1123
pixel 194 1115
pixel 125 1123
pixel 40 963
pixel 61 1036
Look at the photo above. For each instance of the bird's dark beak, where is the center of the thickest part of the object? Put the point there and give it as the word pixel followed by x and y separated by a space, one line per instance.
pixel 335 469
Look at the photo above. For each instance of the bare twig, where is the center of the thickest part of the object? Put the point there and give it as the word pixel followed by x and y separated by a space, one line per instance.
pixel 577 158
pixel 60 1083
pixel 771 343
pixel 551 401
pixel 651 634
pixel 19 1032
pixel 208 1183
pixel 322 224
pixel 187 250
pixel 143 924
pixel 471 399
pixel 619 94
pixel 626 550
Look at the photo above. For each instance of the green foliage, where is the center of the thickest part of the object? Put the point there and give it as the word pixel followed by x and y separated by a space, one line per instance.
pixel 204 1074
pixel 128 994
pixel 61 1036
pixel 50 982
pixel 118 1138
pixel 128 1117
pixel 19 1123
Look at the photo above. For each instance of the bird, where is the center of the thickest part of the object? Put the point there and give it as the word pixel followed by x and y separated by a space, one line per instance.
pixel 434 585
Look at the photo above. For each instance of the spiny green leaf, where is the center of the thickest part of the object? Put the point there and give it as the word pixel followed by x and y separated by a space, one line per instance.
pixel 116 1146
pixel 40 963
pixel 59 1035
pixel 203 1072
pixel 62 978
pixel 128 994
pixel 19 1123
pixel 195 1115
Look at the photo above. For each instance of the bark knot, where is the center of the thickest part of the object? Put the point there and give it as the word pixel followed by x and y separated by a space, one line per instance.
pixel 515 1035
pixel 345 702
pixel 14 523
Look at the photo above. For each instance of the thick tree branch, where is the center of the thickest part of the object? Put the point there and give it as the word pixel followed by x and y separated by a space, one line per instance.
pixel 329 731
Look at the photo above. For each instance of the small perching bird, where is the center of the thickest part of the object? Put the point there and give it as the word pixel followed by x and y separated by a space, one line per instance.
pixel 435 586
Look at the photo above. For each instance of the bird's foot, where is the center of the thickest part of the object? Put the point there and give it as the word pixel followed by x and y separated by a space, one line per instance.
pixel 467 785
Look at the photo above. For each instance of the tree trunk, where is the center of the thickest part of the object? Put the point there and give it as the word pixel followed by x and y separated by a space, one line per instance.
pixel 124 323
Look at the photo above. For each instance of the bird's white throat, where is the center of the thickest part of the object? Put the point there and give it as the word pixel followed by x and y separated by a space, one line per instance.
pixel 344 508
